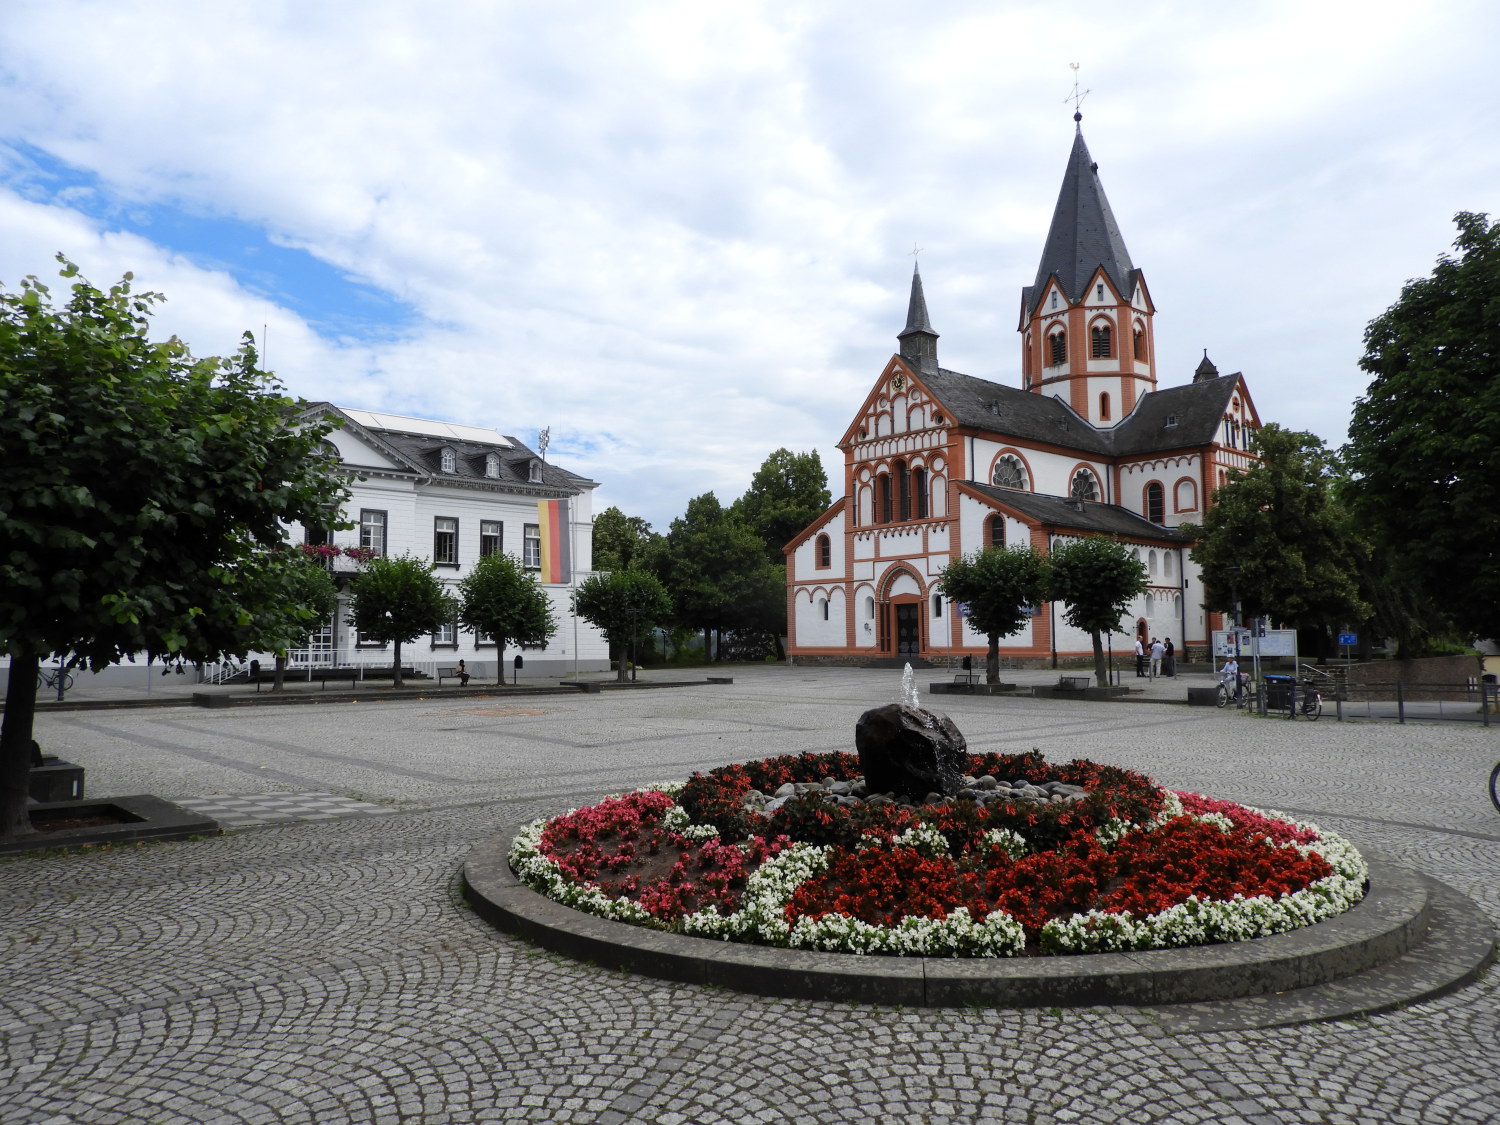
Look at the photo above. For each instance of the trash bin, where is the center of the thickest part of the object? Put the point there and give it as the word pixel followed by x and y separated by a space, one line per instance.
pixel 1279 692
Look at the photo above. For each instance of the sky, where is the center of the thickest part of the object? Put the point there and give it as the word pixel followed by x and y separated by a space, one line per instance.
pixel 680 235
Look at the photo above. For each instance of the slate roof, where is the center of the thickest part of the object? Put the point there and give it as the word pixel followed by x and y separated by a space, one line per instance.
pixel 1095 518
pixel 1198 409
pixel 1083 235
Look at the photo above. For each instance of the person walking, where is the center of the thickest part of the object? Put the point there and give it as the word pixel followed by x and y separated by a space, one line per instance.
pixel 1169 661
pixel 1158 650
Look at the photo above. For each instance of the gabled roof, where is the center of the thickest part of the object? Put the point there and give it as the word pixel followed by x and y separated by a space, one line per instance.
pixel 1084 235
pixel 1196 409
pixel 1074 515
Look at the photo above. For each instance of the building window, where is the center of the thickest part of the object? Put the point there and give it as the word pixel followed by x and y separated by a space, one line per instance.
pixel 1057 343
pixel 825 552
pixel 1099 291
pixel 883 488
pixel 1085 487
pixel 1100 341
pixel 446 636
pixel 445 541
pixel 531 547
pixel 937 605
pixel 372 530
pixel 919 487
pixel 1054 298
pixel 1009 472
pixel 1104 406
pixel 491 537
pixel 903 489
pixel 535 476
pixel 448 460
pixel 492 465
pixel 1156 503
pixel 1140 343
pixel 1171 421
pixel 996 536
pixel 823 605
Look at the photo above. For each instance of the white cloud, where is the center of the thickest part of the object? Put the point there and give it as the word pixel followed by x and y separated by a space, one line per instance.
pixel 677 232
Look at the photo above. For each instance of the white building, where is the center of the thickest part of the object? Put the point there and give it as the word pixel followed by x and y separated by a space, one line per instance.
pixel 449 494
pixel 938 464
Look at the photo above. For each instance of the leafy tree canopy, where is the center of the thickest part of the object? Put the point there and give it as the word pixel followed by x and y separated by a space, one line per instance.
pixel 787 493
pixel 999 585
pixel 714 567
pixel 142 491
pixel 1424 451
pixel 1275 538
pixel 502 600
pixel 625 604
pixel 1096 578
pixel 620 541
pixel 395 600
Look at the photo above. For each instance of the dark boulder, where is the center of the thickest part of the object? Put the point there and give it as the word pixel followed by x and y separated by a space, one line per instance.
pixel 910 750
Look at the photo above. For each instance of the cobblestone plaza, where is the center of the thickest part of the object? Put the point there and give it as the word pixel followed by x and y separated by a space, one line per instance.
pixel 317 963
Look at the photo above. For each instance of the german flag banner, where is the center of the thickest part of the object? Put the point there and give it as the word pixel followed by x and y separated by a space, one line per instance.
pixel 557 543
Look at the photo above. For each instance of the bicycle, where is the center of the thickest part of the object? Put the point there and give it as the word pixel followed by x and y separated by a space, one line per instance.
pixel 58 677
pixel 1495 786
pixel 1310 704
pixel 1225 696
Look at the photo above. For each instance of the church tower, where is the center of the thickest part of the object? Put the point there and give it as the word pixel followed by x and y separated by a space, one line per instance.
pixel 1085 323
pixel 918 340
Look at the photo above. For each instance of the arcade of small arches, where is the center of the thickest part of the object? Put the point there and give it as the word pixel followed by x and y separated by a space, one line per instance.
pixel 901 491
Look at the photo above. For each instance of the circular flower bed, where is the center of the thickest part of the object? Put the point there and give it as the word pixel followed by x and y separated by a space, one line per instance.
pixel 1029 858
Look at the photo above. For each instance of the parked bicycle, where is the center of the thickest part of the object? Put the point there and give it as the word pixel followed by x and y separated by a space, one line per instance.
pixel 1495 786
pixel 59 678
pixel 1308 701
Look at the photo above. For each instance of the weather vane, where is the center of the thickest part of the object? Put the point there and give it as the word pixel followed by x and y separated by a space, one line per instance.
pixel 1076 97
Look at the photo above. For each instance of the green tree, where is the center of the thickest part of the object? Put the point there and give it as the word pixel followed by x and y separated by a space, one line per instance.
pixel 504 601
pixel 620 541
pixel 714 568
pixel 141 492
pixel 625 605
pixel 1096 578
pixel 396 600
pixel 1424 450
pixel 1275 538
pixel 311 598
pixel 998 585
pixel 787 493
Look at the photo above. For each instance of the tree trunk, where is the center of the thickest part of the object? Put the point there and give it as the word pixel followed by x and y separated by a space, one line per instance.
pixel 15 746
pixel 279 678
pixel 992 660
pixel 499 661
pixel 1101 668
pixel 396 668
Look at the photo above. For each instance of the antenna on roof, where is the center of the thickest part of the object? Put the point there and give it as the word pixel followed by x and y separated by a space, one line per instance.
pixel 1076 97
pixel 543 438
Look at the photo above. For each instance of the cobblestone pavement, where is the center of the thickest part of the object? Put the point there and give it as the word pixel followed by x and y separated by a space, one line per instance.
pixel 327 971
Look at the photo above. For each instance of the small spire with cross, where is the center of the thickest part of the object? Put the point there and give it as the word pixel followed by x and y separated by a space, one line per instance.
pixel 1077 96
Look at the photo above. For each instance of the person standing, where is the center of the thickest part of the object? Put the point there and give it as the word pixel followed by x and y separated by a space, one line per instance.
pixel 1158 650
pixel 1140 658
pixel 1169 660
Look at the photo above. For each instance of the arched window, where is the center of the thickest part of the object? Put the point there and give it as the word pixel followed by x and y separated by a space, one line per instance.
pixel 996 536
pixel 1151 564
pixel 1085 487
pixel 1186 498
pixel 1140 342
pixel 492 465
pixel 937 605
pixel 825 552
pixel 448 460
pixel 1057 345
pixel 903 489
pixel 1104 406
pixel 919 486
pixel 1100 341
pixel 1009 472
pixel 1155 503
pixel 883 495
pixel 823 604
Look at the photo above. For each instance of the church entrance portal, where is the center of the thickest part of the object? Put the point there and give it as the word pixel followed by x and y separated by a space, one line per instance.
pixel 908 641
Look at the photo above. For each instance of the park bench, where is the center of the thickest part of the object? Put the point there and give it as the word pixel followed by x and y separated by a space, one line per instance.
pixel 451 672
pixel 1073 683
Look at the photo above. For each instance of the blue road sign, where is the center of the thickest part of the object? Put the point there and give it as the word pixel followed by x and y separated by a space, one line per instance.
pixel 1348 638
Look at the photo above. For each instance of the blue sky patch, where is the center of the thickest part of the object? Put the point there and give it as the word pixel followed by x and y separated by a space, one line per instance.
pixel 333 304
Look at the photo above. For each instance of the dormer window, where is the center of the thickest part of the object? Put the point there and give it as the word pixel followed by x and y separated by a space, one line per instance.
pixel 1171 421
pixel 448 460
pixel 535 474
pixel 492 465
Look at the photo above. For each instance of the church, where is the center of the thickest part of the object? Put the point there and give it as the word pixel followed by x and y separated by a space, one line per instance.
pixel 938 464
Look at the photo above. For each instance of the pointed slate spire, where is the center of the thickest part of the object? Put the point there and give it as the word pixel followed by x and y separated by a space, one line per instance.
pixel 1084 234
pixel 918 340
pixel 1206 369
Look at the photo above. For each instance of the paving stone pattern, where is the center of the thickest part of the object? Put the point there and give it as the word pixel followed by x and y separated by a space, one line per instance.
pixel 327 971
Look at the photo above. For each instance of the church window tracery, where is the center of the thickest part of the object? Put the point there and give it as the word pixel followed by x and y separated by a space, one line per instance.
pixel 1101 343
pixel 1057 345
pixel 1009 472
pixel 1085 487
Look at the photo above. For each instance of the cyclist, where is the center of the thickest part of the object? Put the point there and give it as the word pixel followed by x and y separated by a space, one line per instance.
pixel 1230 677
